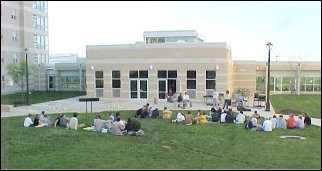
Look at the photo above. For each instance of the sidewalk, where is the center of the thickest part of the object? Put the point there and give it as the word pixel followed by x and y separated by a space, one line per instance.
pixel 73 105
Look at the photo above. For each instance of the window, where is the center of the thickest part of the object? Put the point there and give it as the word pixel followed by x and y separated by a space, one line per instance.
pixel 162 74
pixel 34 21
pixel 139 74
pixel 2 56
pixel 260 83
pixel 116 83
pixel 13 14
pixel 99 79
pixel 278 84
pixel 68 82
pixel 36 58
pixel 1 33
pixel 172 74
pixel 46 24
pixel 191 80
pixel 310 84
pixel 210 79
pixel 14 36
pixel 14 58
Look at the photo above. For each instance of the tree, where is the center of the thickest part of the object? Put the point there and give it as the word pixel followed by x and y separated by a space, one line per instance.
pixel 18 74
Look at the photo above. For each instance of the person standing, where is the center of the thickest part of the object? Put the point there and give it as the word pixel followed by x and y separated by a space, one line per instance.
pixel 227 100
pixel 215 96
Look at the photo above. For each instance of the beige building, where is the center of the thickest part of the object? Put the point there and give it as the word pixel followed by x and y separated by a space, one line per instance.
pixel 147 71
pixel 24 24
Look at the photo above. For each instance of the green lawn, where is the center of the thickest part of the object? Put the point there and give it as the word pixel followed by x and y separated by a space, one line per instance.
pixel 40 96
pixel 164 146
pixel 310 104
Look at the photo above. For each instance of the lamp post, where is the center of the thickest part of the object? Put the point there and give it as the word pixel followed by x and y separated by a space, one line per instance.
pixel 269 45
pixel 27 51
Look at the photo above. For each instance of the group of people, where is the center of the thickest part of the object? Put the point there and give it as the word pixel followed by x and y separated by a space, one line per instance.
pixel 146 112
pixel 182 99
pixel 277 123
pixel 38 121
pixel 113 124
pixel 226 116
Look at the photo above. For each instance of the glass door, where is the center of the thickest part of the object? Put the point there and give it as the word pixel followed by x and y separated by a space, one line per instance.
pixel 162 89
pixel 136 93
pixel 133 89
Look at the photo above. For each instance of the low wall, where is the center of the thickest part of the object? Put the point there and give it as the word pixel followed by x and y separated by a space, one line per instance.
pixel 6 108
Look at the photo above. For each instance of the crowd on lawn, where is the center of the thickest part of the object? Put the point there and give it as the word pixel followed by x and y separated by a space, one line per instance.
pixel 114 125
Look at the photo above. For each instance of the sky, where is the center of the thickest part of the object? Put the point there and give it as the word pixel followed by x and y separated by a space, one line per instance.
pixel 294 28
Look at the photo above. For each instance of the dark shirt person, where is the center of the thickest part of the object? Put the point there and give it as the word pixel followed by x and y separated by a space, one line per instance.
pixel 307 120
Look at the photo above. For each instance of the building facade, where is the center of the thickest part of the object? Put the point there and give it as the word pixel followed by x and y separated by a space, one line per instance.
pixel 24 24
pixel 145 72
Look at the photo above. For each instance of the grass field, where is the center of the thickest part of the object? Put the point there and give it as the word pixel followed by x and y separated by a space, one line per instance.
pixel 164 146
pixel 40 96
pixel 310 104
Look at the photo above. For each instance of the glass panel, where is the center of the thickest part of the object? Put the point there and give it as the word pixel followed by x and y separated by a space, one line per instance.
pixel 116 74
pixel 134 86
pixel 302 87
pixel 317 80
pixel 143 74
pixel 134 74
pixel 99 84
pixel 210 74
pixel 116 83
pixel 143 95
pixel 309 87
pixel 278 86
pixel 210 84
pixel 317 87
pixel 162 74
pixel 191 84
pixel 161 95
pixel 134 95
pixel 260 83
pixel 172 74
pixel 162 86
pixel 98 74
pixel 191 74
pixel 143 85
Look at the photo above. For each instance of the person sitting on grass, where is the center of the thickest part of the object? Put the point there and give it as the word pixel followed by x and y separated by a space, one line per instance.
pixel 240 118
pixel 28 121
pixel 188 119
pixel 73 123
pixel 36 120
pixel 41 116
pixel 62 120
pixel 223 116
pixel 180 118
pixel 117 115
pixel 118 127
pixel 155 113
pixel 229 117
pixel 274 121
pixel 110 117
pixel 291 122
pixel 299 123
pixel 99 123
pixel 267 125
pixel 44 121
pixel 307 120
pixel 216 116
pixel 255 121
pixel 166 113
pixel 202 118
pixel 280 123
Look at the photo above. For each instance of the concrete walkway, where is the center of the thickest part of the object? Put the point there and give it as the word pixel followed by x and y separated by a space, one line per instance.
pixel 73 105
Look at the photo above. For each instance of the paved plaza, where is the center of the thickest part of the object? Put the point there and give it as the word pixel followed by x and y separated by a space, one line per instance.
pixel 73 105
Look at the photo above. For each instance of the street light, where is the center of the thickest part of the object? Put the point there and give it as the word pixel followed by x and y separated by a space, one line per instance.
pixel 269 45
pixel 27 51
